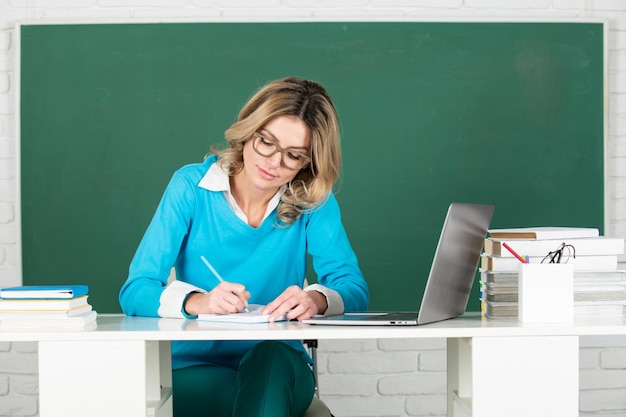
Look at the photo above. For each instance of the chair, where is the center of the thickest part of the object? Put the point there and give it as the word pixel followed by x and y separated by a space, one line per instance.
pixel 317 407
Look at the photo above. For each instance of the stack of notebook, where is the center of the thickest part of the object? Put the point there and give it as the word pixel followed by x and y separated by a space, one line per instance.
pixel 599 287
pixel 57 306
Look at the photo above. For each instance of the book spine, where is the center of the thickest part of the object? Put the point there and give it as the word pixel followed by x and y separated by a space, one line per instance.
pixel 48 305
pixel 543 233
pixel 42 314
pixel 44 292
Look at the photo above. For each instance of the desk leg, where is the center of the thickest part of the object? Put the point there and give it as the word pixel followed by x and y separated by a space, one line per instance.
pixel 459 383
pixel 453 374
pixel 513 376
pixel 105 378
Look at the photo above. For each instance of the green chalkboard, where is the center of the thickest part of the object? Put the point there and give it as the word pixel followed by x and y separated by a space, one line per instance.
pixel 509 114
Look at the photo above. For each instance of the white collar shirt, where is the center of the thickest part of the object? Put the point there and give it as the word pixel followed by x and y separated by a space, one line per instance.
pixel 217 180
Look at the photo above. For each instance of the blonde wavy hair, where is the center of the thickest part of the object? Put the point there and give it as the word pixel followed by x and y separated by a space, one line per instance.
pixel 311 103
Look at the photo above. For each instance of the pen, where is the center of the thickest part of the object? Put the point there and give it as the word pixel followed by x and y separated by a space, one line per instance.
pixel 522 260
pixel 217 275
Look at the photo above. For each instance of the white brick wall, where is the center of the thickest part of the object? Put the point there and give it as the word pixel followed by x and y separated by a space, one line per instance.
pixel 357 378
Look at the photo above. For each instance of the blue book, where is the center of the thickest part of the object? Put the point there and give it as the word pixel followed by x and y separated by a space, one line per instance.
pixel 44 291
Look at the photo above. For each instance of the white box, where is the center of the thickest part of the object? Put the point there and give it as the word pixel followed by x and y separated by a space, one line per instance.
pixel 546 293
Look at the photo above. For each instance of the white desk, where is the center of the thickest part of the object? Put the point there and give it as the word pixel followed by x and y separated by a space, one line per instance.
pixel 495 367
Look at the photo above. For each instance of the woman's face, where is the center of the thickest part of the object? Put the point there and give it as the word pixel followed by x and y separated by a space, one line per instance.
pixel 269 172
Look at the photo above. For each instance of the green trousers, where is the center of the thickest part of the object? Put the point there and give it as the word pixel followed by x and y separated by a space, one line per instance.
pixel 273 380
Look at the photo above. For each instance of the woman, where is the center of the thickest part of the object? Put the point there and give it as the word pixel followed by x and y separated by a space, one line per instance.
pixel 253 211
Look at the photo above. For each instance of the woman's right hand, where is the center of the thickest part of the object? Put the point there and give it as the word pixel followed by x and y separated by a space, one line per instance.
pixel 226 298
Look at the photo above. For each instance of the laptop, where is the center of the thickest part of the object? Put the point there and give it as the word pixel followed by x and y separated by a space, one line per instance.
pixel 451 274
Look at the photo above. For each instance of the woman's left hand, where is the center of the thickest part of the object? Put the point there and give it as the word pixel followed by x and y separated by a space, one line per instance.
pixel 295 303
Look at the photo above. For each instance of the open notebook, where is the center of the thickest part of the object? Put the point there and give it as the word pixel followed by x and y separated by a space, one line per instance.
pixel 253 315
pixel 451 275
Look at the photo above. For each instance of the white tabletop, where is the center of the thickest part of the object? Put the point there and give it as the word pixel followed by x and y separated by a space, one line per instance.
pixel 120 327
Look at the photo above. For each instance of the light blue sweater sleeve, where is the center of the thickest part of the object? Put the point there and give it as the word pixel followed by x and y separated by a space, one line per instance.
pixel 334 260
pixel 159 248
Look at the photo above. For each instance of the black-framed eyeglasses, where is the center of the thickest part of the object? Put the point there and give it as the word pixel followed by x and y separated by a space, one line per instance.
pixel 560 255
pixel 290 158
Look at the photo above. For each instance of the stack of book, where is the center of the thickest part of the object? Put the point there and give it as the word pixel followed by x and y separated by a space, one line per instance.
pixel 599 287
pixel 57 306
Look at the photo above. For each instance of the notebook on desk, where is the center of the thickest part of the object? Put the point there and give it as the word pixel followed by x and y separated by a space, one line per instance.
pixel 451 274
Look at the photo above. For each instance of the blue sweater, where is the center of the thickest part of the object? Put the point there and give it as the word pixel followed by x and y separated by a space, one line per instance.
pixel 191 221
